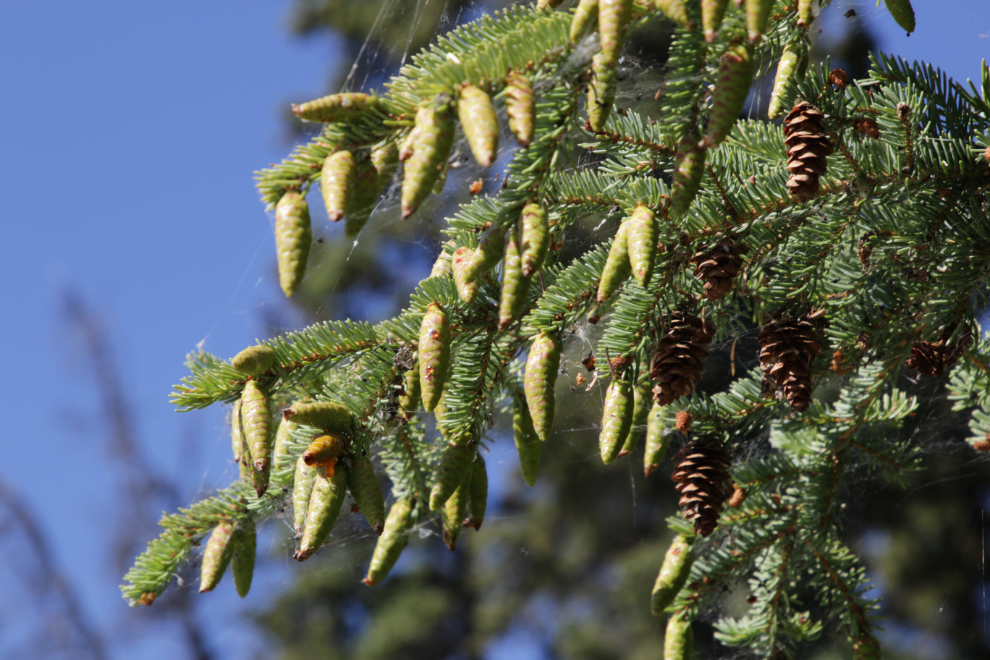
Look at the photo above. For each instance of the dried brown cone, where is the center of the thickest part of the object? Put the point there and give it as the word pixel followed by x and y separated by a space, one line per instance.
pixel 807 148
pixel 933 358
pixel 680 357
pixel 788 345
pixel 702 478
pixel 718 266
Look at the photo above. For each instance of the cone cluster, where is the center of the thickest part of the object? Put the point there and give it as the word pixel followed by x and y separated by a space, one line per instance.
pixel 718 266
pixel 807 148
pixel 680 357
pixel 788 345
pixel 702 478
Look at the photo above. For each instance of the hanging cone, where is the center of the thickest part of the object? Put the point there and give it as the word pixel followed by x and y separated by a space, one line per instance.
pixel 617 267
pixel 393 540
pixel 807 148
pixel 332 417
pixel 489 252
pixel 515 286
pixel 455 511
pixel 735 73
pixel 477 115
pixel 236 432
pixel 453 469
pixel 902 12
pixel 675 10
pixel 673 574
pixel 254 360
pixel 385 160
pixel 689 168
pixel 702 478
pixel 367 492
pixel 280 453
pixel 442 266
pixel 434 355
pixel 718 266
pixel 479 494
pixel 244 545
pixel 216 557
pixel 460 263
pixel 434 136
pixel 678 640
pixel 601 92
pixel 757 17
pixel 324 506
pixel 641 410
pixel 613 26
pixel 293 238
pixel 535 238
pixel 541 376
pixel 364 195
pixel 616 419
pixel 528 444
pixel 336 107
pixel 520 106
pixel 788 345
pixel 584 20
pixel 642 244
pixel 410 399
pixel 928 358
pixel 337 183
pixel 712 13
pixel 680 357
pixel 790 70
pixel 302 489
pixel 656 440
pixel 805 13
pixel 256 418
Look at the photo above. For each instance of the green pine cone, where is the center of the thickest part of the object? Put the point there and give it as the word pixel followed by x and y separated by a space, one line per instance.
pixel 541 376
pixel 642 244
pixel 435 136
pixel 617 267
pixel 613 26
pixel 520 107
pixel 689 168
pixel 411 395
pixel 455 511
pixel 616 419
pixel 490 249
pixel 293 238
pixel 805 15
pixel 302 489
pixel 393 540
pixel 254 360
pixel 479 493
pixel 903 13
pixel 216 557
pixel 337 183
pixel 442 266
pixel 244 543
pixel 675 10
pixel 535 238
pixel 673 574
pixel 757 17
pixel 236 433
pixel 584 20
pixel 712 13
pixel 336 107
pixel 460 263
pixel 256 417
pixel 735 73
pixel 434 355
pixel 656 441
pixel 642 398
pixel 515 286
pixel 280 453
pixel 601 92
pixel 528 444
pixel 678 641
pixel 477 115
pixel 367 492
pixel 793 63
pixel 332 417
pixel 364 196
pixel 453 469
pixel 324 506
pixel 385 160
pixel 423 116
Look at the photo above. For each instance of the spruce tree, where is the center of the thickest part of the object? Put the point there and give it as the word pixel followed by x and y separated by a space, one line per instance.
pixel 848 236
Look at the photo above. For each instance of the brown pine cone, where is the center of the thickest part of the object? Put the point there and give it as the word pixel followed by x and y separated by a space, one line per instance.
pixel 702 478
pixel 933 358
pixel 680 357
pixel 807 148
pixel 788 345
pixel 718 266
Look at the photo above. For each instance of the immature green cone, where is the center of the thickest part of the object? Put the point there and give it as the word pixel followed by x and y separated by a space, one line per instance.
pixel 757 17
pixel 364 195
pixel 302 489
pixel 216 557
pixel 490 249
pixel 434 137
pixel 460 263
pixel 367 492
pixel 385 160
pixel 477 115
pixel 324 452
pixel 601 92
pixel 280 453
pixel 332 417
pixel 256 416
pixel 790 70
pixel 642 400
pixel 515 286
pixel 337 183
pixel 805 15
pixel 675 10
pixel 735 73
pixel 617 267
pixel 528 444
pixel 613 26
pixel 324 507
pixel 903 13
pixel 585 17
pixel 236 432
pixel 520 106
pixel 434 355
pixel 454 511
pixel 541 376
pixel 712 13
pixel 293 238
pixel 656 441
pixel 453 469
pixel 673 574
pixel 678 641
pixel 244 543
pixel 442 266
pixel 479 493
pixel 689 168
pixel 616 419
pixel 393 540
pixel 535 238
pixel 254 360
pixel 411 394
pixel 336 107
pixel 642 244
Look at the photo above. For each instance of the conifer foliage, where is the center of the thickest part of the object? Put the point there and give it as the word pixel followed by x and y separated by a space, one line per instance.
pixel 727 224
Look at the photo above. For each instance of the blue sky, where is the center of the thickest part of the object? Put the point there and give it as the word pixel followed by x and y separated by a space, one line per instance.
pixel 128 134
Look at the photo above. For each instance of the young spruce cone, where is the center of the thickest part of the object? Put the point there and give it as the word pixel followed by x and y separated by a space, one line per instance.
pixel 702 478
pixel 680 357
pixel 807 148
pixel 718 266
pixel 788 345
